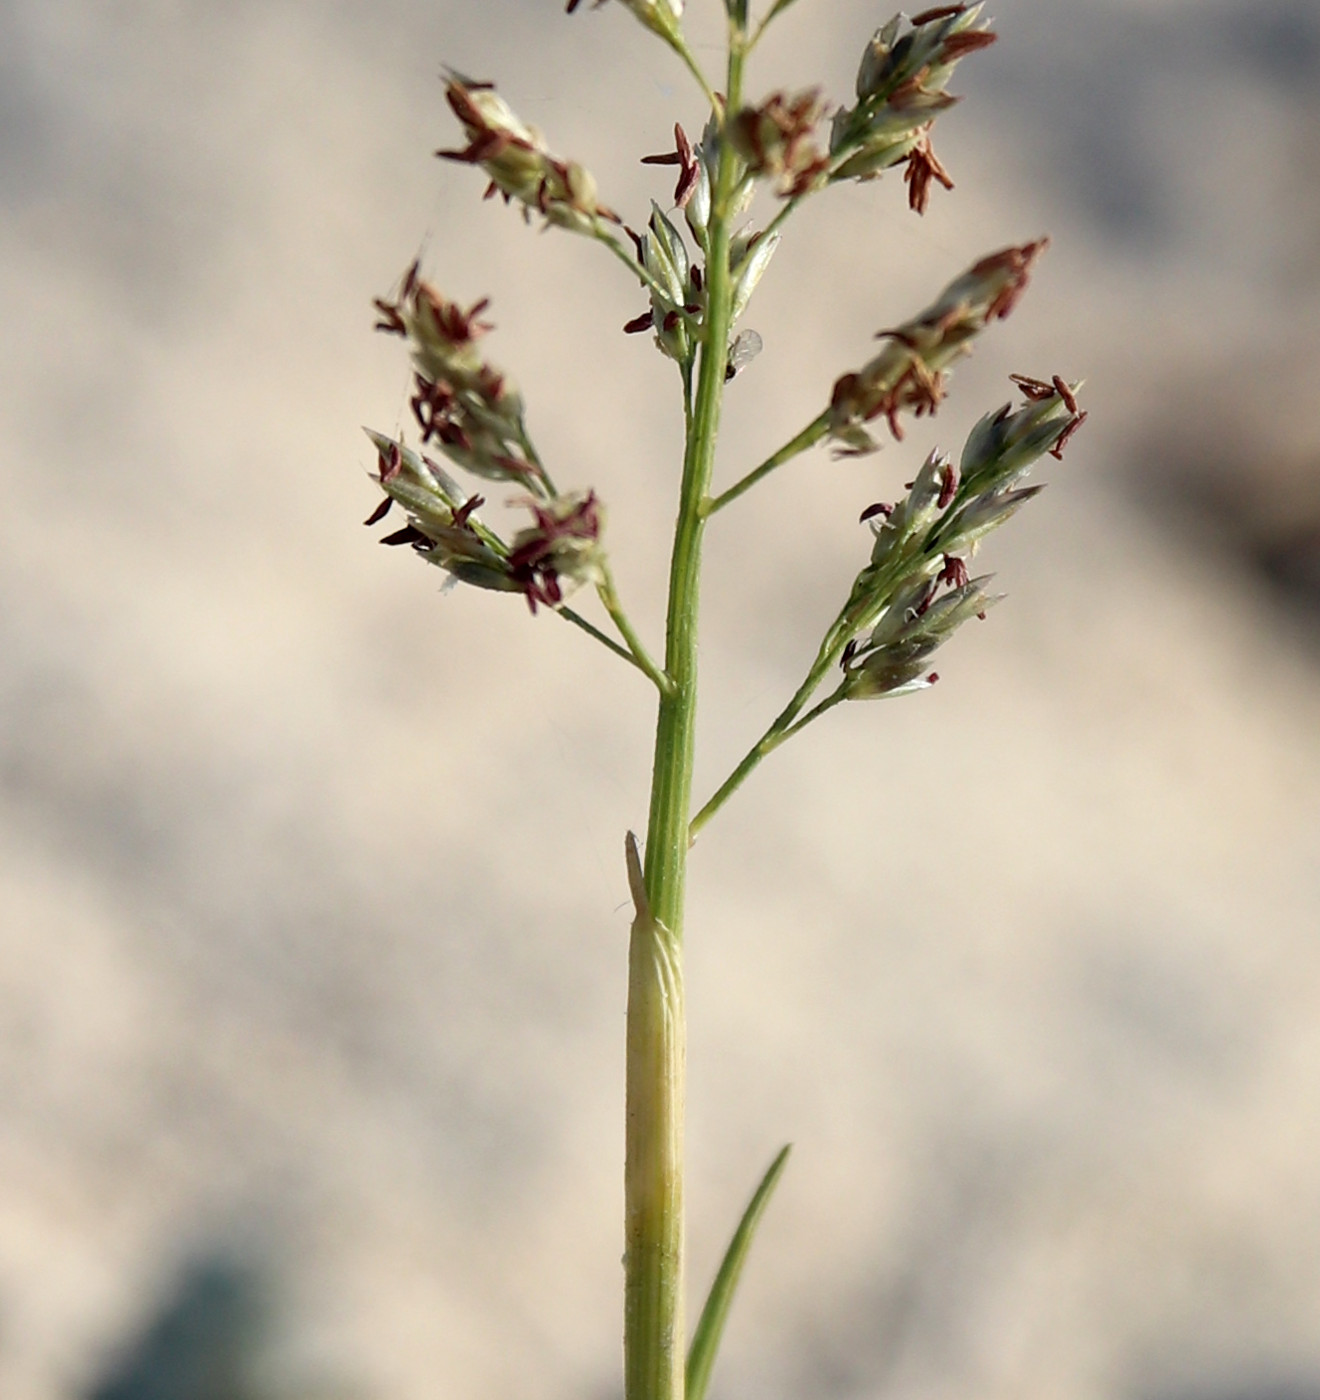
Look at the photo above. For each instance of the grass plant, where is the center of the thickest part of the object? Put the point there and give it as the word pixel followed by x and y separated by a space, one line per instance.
pixel 697 260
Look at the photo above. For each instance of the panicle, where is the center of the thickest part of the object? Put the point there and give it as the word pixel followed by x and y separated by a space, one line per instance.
pixel 474 414
pixel 559 551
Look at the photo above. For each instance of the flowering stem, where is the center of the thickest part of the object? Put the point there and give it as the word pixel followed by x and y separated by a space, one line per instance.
pixel 653 1176
pixel 828 703
pixel 679 46
pixel 637 652
pixel 633 264
pixel 838 159
pixel 592 630
pixel 786 723
pixel 808 437
pixel 858 613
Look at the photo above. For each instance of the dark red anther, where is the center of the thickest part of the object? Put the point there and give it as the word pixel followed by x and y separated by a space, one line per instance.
pixel 932 678
pixel 466 509
pixel 1036 390
pixel 410 534
pixel 638 324
pixel 954 572
pixel 390 320
pixel 948 484
pixel 688 170
pixel 389 463
pixel 1066 394
pixel 923 166
pixel 380 512
pixel 1066 436
pixel 879 508
pixel 958 46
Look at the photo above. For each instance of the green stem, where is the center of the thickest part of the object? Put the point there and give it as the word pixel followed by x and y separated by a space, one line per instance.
pixel 653 1175
pixel 637 652
pixel 786 723
pixel 679 46
pixel 785 212
pixel 808 437
pixel 828 703
pixel 857 614
pixel 592 630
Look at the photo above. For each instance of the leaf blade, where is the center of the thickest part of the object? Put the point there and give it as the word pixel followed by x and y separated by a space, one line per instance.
pixel 710 1328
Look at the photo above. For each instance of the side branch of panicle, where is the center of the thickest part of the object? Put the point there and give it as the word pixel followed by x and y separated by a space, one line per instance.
pixel 521 167
pixel 473 414
pixel 916 589
pixel 902 87
pixel 910 372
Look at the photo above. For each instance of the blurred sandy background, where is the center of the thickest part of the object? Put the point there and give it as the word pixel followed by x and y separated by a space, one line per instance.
pixel 312 908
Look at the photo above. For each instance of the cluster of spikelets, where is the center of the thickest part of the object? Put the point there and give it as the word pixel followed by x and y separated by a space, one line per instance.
pixel 902 86
pixel 474 414
pixel 896 615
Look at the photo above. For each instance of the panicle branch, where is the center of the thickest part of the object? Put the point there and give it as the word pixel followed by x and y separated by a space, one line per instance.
pixel 520 166
pixel 896 616
pixel 901 88
pixel 910 371
pixel 559 550
pixel 474 414
pixel 469 408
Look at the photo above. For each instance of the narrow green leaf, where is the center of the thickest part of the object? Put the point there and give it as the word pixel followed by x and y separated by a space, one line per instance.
pixel 706 1339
